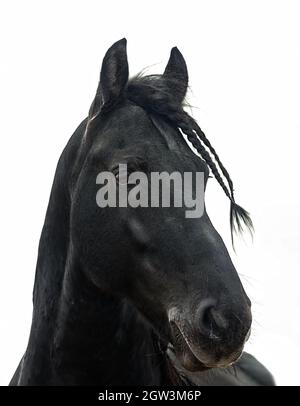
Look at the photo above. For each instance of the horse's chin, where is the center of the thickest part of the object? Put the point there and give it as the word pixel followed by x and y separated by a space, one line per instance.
pixel 188 360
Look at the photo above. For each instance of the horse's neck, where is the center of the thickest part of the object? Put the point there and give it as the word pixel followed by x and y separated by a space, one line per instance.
pixel 95 339
pixel 52 254
pixel 79 335
pixel 100 339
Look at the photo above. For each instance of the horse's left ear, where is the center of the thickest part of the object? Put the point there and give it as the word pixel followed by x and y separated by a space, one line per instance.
pixel 176 71
pixel 113 78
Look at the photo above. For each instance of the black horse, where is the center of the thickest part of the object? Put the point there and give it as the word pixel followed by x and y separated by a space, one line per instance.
pixel 136 296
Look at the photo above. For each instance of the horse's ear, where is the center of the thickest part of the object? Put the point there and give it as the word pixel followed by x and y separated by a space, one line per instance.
pixel 176 71
pixel 113 78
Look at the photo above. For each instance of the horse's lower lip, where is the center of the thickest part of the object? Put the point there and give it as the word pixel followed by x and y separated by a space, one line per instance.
pixel 184 352
pixel 187 360
pixel 191 363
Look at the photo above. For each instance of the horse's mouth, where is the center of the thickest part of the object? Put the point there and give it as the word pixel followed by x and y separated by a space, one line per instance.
pixel 181 349
pixel 193 359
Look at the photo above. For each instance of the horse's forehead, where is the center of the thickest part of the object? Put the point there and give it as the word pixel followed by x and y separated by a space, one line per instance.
pixel 132 124
pixel 131 130
pixel 130 120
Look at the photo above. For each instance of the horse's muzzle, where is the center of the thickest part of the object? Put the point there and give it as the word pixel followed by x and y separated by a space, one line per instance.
pixel 209 338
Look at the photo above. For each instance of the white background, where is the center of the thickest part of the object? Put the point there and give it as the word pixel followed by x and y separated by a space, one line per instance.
pixel 244 64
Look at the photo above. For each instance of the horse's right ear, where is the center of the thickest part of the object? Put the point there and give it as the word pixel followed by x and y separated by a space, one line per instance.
pixel 113 78
pixel 176 71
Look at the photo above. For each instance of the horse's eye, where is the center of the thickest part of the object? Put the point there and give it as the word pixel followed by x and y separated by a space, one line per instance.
pixel 122 171
pixel 121 175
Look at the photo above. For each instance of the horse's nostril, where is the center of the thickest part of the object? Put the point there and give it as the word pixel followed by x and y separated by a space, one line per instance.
pixel 210 319
pixel 219 319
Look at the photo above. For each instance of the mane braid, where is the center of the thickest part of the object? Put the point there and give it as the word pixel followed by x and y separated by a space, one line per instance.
pixel 206 142
pixel 155 94
pixel 239 217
